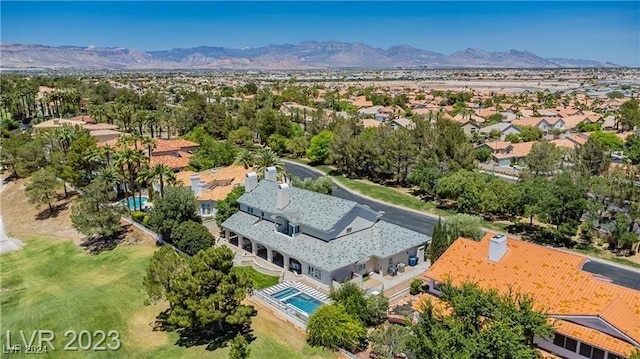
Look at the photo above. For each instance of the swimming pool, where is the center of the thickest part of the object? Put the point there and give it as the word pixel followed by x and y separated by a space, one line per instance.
pixel 304 302
pixel 135 203
pixel 285 293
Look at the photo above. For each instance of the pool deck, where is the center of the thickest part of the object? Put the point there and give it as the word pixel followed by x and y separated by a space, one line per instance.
pixel 292 313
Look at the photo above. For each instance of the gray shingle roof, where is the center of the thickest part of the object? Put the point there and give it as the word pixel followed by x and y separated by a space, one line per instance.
pixel 498 126
pixel 309 208
pixel 382 240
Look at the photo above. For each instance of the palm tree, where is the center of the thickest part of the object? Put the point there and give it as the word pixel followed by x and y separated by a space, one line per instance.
pixel 66 134
pixel 268 158
pixel 245 158
pixel 149 144
pixel 129 159
pixel 144 179
pixel 164 174
pixel 110 175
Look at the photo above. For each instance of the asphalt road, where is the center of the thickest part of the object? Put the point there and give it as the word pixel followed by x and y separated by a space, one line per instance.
pixel 425 224
pixel 620 276
pixel 415 221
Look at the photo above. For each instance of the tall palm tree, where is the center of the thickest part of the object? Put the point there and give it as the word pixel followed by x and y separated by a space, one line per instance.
pixel 130 160
pixel 144 179
pixel 245 158
pixel 149 144
pixel 164 175
pixel 268 158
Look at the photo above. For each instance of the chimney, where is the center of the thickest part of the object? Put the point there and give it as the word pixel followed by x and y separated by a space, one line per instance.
pixel 497 247
pixel 250 181
pixel 195 184
pixel 270 174
pixel 283 195
pixel 201 187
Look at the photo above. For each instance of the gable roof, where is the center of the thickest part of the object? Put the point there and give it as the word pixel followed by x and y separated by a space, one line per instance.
pixel 501 126
pixel 316 210
pixel 553 277
pixel 382 240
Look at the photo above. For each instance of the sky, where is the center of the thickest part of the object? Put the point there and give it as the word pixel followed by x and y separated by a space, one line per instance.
pixel 604 31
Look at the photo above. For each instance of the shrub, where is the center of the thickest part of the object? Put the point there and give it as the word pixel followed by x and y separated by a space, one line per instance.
pixel 416 287
pixel 138 216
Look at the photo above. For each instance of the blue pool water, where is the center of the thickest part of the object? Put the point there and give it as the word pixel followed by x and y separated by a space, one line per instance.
pixel 304 302
pixel 137 202
pixel 285 293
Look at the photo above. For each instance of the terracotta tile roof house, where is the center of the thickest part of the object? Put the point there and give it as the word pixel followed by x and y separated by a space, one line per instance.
pixel 212 186
pixel 102 132
pixel 592 317
pixel 498 146
pixel 370 122
pixel 174 153
pixel 170 146
pixel 361 101
pixel 505 153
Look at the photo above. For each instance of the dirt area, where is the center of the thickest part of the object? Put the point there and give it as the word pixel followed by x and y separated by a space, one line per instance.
pixel 23 220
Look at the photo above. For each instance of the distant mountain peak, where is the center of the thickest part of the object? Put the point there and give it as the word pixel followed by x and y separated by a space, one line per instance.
pixel 304 55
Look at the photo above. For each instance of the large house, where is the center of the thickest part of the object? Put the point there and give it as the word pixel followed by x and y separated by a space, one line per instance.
pixel 212 186
pixel 102 132
pixel 321 236
pixel 592 317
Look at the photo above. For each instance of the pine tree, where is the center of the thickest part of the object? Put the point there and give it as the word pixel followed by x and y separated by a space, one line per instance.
pixel 439 242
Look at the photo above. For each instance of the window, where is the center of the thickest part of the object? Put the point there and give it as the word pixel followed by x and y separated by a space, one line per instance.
pixel 613 356
pixel 314 272
pixel 571 344
pixel 564 342
pixel 597 354
pixel 348 230
pixel 250 210
pixel 558 340
pixel 360 267
pixel 293 229
pixel 585 350
pixel 262 214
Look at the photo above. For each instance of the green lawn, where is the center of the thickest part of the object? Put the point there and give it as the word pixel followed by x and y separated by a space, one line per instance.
pixel 54 285
pixel 260 280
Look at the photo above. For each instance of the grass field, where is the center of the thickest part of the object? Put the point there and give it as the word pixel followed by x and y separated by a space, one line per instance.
pixel 54 285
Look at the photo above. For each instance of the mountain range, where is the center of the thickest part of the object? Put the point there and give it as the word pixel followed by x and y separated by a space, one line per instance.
pixel 305 55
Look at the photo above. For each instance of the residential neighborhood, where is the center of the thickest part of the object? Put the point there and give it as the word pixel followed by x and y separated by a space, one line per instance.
pixel 314 180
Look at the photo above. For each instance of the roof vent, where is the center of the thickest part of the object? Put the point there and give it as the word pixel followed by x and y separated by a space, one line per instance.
pixel 497 247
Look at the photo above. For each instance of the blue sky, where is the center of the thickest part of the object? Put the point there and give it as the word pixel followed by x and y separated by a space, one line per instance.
pixel 605 31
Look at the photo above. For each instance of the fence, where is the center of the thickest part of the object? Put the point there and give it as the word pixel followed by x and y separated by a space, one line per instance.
pixel 157 237
pixel 292 315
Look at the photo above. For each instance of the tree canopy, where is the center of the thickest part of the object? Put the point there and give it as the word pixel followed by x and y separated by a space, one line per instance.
pixel 228 206
pixel 178 205
pixel 191 237
pixel 207 296
pixel 481 324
